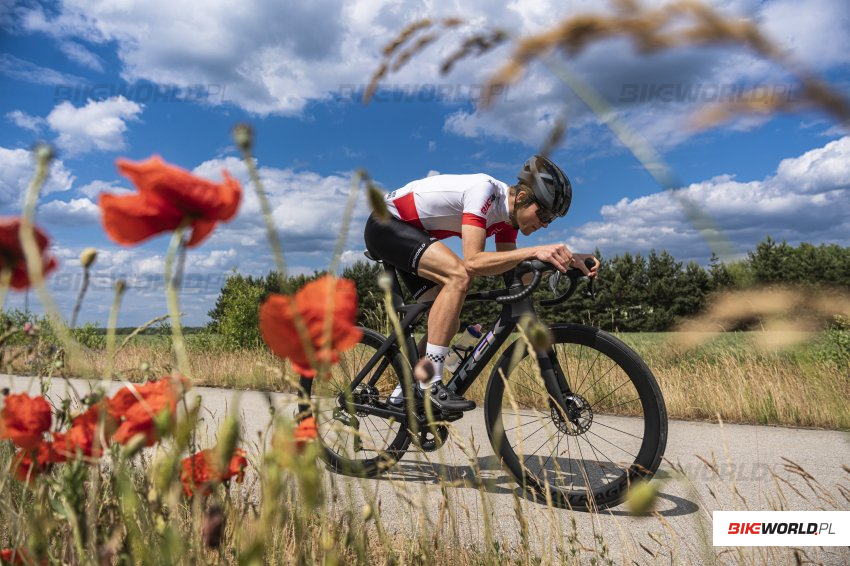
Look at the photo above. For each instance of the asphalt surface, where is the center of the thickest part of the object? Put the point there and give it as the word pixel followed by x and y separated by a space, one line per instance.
pixel 726 467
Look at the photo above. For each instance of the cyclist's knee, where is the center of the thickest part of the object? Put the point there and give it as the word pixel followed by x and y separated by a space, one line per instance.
pixel 459 278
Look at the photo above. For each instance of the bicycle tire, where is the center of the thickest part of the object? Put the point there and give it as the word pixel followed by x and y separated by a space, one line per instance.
pixel 369 444
pixel 574 481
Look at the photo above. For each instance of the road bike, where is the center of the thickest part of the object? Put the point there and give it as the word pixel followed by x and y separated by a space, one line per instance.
pixel 575 424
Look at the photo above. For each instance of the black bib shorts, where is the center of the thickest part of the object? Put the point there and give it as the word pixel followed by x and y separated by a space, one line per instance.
pixel 400 245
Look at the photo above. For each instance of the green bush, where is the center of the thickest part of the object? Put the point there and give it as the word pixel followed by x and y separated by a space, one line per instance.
pixel 91 336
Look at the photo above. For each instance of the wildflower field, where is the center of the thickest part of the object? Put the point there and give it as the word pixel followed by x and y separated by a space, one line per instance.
pixel 119 453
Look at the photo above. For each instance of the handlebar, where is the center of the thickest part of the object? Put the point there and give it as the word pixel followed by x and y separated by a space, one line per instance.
pixel 538 268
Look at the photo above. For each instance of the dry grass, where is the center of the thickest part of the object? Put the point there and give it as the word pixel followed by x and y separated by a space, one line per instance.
pixel 732 377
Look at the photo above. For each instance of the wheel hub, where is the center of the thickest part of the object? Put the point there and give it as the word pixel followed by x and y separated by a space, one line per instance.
pixel 579 415
pixel 364 395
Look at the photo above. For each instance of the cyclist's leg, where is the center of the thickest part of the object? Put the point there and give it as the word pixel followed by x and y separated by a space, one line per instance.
pixel 440 264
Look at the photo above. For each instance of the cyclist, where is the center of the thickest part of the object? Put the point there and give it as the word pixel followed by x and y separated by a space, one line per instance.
pixel 473 207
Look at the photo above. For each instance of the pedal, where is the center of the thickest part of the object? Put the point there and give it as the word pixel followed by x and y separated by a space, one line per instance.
pixel 451 417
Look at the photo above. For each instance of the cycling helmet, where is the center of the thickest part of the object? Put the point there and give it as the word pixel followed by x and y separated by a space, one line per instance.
pixel 551 186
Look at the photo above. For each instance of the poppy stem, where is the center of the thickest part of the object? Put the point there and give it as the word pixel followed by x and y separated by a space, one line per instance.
pixel 5 281
pixel 44 155
pixel 327 330
pixel 407 382
pixel 120 287
pixel 80 296
pixel 277 249
pixel 171 295
pixel 265 208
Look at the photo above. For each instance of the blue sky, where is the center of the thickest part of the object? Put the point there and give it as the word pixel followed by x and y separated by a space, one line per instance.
pixel 287 69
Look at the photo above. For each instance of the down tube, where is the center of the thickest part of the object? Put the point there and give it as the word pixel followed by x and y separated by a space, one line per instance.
pixel 473 368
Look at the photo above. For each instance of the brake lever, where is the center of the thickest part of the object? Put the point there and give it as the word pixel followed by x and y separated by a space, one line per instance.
pixel 554 279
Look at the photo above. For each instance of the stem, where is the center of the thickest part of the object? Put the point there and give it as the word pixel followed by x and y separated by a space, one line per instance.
pixel 80 297
pixel 5 281
pixel 34 257
pixel 408 383
pixel 327 331
pixel 271 233
pixel 172 298
pixel 277 253
pixel 110 329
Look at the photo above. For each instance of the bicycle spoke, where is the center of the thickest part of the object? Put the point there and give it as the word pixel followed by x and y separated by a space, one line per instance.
pixel 618 430
pixel 582 392
pixel 618 405
pixel 610 393
pixel 612 444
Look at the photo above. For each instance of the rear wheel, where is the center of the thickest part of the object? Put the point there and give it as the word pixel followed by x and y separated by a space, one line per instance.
pixel 613 433
pixel 354 442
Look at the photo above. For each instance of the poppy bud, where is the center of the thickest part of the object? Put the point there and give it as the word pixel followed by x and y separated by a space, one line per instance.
pixel 641 497
pixel 44 152
pixel 134 445
pixel 367 512
pixel 385 281
pixel 213 526
pixel 378 203
pixel 88 257
pixel 424 370
pixel 120 286
pixel 243 134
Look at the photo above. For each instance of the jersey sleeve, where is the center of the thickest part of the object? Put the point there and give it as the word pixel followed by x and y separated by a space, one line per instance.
pixel 507 234
pixel 476 201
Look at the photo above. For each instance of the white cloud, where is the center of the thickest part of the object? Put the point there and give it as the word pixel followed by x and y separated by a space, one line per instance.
pixel 79 54
pixel 808 199
pixel 97 125
pixel 25 121
pixel 27 71
pixel 76 212
pixel 307 208
pixel 17 167
pixel 93 189
pixel 268 64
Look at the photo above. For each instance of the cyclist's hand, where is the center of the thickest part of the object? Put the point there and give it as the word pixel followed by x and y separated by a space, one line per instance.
pixel 578 262
pixel 558 255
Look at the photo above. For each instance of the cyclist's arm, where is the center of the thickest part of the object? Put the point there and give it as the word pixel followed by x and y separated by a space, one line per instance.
pixel 480 262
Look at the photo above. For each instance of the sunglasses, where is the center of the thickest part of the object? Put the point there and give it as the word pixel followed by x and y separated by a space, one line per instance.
pixel 545 216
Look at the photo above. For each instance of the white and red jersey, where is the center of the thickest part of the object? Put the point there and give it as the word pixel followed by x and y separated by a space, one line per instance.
pixel 442 204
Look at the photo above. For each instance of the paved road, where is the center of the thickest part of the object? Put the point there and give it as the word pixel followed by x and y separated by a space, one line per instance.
pixel 753 464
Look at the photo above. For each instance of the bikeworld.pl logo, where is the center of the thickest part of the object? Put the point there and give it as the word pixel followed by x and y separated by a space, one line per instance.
pixel 781 528
pixel 710 93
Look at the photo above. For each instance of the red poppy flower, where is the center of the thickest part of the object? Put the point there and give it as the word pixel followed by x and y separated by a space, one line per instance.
pixel 201 470
pixel 28 463
pixel 167 195
pixel 14 556
pixel 83 436
pixel 278 328
pixel 135 408
pixel 12 253
pixel 305 432
pixel 24 419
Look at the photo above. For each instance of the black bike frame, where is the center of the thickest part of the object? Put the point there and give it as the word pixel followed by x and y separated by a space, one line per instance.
pixel 465 375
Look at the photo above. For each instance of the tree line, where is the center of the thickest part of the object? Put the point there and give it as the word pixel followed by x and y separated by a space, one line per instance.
pixel 633 292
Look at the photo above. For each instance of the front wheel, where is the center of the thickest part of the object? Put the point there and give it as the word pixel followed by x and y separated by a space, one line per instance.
pixel 614 430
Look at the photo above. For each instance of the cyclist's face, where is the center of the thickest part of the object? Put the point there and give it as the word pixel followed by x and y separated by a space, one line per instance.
pixel 533 217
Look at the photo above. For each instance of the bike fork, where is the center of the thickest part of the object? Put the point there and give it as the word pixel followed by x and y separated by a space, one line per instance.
pixel 556 383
